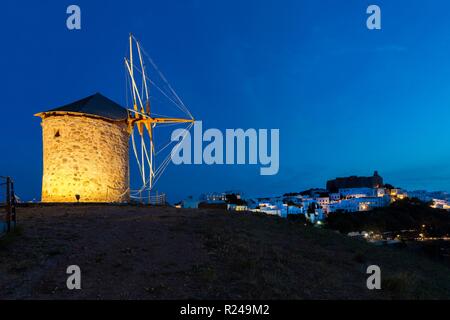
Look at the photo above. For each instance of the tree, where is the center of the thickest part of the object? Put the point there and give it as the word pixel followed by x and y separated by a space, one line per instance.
pixel 389 186
pixel 312 208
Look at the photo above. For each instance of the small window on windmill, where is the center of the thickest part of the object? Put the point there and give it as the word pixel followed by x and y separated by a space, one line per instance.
pixel 57 134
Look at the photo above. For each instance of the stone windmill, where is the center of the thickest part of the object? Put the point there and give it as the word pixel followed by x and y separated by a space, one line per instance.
pixel 85 149
pixel 86 143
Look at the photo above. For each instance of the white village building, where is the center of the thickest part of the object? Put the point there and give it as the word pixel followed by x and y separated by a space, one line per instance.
pixel 359 204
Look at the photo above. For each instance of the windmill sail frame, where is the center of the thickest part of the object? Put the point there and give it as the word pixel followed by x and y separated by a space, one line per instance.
pixel 141 119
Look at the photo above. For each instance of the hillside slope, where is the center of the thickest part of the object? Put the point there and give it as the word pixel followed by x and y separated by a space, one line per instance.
pixel 401 215
pixel 128 252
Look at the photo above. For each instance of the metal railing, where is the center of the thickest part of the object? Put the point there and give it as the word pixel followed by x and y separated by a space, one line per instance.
pixel 142 196
pixel 7 205
pixel 158 199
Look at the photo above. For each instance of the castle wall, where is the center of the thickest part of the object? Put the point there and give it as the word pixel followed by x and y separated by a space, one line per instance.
pixel 84 156
pixel 355 182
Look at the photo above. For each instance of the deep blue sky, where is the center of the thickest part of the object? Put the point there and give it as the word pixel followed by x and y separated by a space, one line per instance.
pixel 347 100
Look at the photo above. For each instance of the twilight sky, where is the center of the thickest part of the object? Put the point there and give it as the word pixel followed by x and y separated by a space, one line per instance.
pixel 347 100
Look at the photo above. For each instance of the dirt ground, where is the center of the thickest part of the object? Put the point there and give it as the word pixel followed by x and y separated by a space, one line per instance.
pixel 130 252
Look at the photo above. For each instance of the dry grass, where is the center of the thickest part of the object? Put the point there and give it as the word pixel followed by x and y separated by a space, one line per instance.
pixel 130 252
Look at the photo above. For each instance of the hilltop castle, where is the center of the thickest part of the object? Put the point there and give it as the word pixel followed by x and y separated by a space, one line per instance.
pixel 376 181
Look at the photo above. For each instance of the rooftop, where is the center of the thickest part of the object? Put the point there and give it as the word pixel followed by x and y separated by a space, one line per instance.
pixel 96 105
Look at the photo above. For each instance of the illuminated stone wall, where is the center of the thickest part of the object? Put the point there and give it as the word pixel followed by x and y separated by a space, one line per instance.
pixel 84 156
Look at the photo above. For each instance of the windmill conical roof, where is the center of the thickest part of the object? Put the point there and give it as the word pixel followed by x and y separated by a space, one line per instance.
pixel 96 105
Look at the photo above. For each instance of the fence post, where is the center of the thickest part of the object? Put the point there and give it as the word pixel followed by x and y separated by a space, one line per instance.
pixel 13 205
pixel 8 204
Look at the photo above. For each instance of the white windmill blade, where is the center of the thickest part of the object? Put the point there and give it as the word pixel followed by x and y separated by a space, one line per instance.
pixel 140 116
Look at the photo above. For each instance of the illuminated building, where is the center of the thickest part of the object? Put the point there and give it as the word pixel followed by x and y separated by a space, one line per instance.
pixel 85 152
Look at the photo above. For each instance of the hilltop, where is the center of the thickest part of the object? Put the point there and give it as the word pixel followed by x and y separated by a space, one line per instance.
pixel 130 252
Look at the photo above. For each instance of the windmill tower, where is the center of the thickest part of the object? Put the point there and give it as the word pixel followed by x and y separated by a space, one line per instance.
pixel 86 143
pixel 85 149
